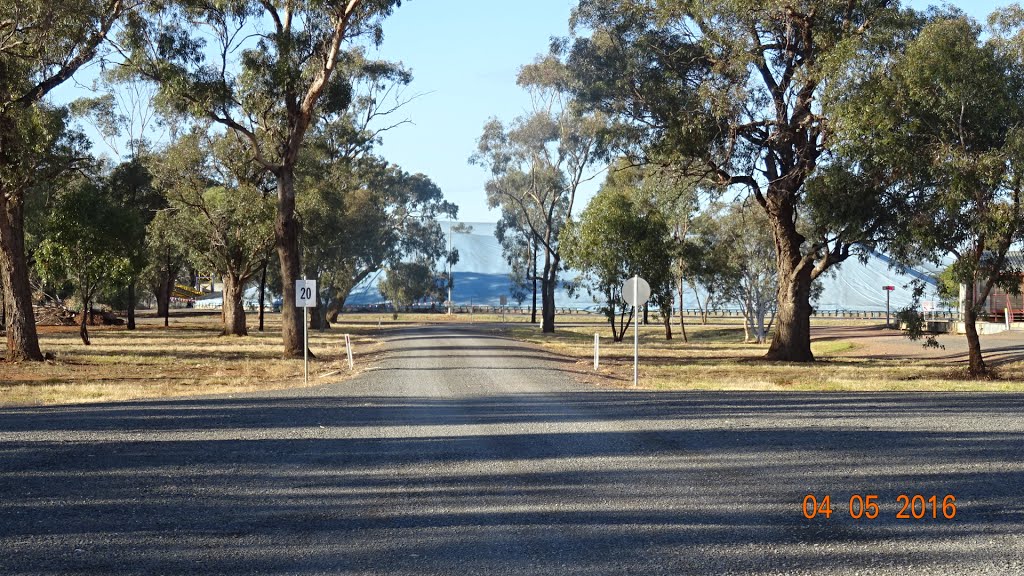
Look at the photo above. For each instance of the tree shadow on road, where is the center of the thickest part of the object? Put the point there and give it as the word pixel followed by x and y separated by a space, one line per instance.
pixel 568 482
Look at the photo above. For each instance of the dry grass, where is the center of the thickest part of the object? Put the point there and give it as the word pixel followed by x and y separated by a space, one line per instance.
pixel 716 358
pixel 189 358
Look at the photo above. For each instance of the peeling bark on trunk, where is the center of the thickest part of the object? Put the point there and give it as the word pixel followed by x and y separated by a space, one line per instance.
pixel 234 312
pixel 792 339
pixel 287 237
pixel 20 321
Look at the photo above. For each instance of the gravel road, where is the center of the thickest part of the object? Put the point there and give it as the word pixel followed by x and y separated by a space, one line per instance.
pixel 463 453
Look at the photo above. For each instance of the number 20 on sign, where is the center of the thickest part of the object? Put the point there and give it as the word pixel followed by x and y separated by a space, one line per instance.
pixel 305 293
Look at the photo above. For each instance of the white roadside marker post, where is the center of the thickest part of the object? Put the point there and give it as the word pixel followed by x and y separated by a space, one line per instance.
pixel 305 342
pixel 597 351
pixel 636 331
pixel 348 351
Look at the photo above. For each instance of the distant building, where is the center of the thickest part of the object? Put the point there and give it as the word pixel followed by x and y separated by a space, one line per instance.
pixel 999 302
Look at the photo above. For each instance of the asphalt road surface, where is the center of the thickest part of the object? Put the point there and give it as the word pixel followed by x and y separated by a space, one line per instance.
pixel 469 454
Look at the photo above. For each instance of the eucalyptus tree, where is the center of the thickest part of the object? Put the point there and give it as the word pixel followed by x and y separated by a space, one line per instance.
pixel 731 92
pixel 265 70
pixel 88 236
pixel 222 215
pixel 618 236
pixel 42 44
pixel 342 185
pixel 131 186
pixel 527 183
pixel 943 120
pixel 166 256
pixel 406 283
pixel 677 200
pixel 387 214
pixel 520 249
pixel 742 240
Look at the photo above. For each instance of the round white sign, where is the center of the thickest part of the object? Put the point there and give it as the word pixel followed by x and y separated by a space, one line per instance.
pixel 642 291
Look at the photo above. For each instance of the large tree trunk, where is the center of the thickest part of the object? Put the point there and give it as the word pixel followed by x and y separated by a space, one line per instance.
pixel 20 320
pixel 287 236
pixel 548 295
pixel 163 300
pixel 319 319
pixel 131 304
pixel 976 363
pixel 83 329
pixel 233 311
pixel 263 290
pixel 792 339
pixel 548 306
pixel 666 317
pixel 163 295
pixel 336 308
pixel 533 313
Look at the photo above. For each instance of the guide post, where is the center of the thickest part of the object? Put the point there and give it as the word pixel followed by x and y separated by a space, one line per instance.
pixel 305 297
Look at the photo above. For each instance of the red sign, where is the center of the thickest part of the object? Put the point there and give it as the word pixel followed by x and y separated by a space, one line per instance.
pixel 888 288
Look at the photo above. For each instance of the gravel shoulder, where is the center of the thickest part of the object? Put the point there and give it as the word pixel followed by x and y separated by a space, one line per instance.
pixel 461 452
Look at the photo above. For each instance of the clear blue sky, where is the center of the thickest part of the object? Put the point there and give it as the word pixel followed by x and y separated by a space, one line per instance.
pixel 465 55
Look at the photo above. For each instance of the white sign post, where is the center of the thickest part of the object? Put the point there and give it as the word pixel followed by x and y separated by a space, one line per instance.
pixel 597 351
pixel 305 297
pixel 636 291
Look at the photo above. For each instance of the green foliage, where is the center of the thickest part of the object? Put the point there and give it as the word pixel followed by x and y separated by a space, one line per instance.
pixel 617 237
pixel 406 283
pixel 131 187
pixel 362 215
pixel 732 94
pixel 915 327
pixel 942 120
pixel 220 214
pixel 265 90
pixel 85 246
pixel 730 254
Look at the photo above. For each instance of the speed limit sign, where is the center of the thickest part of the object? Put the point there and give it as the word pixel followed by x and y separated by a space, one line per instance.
pixel 305 293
